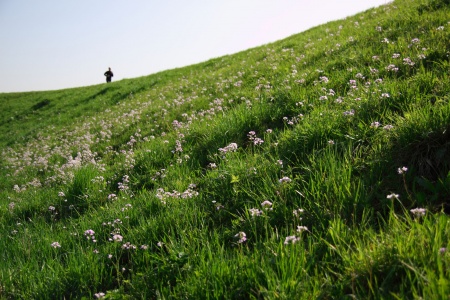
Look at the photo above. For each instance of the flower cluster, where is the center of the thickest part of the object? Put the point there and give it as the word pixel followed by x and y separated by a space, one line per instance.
pixel 241 237
pixel 254 212
pixel 188 193
pixel 418 212
pixel 90 235
pixel 349 112
pixel 392 68
pixel 123 186
pixel 254 139
pixel 230 148
pixel 294 120
pixel 266 205
pixel 393 196
pixel 99 295
pixel 56 245
pixel 298 212
pixel 300 229
pixel 292 239
pixel 402 170
pixel 408 61
pixel 284 180
pixel 117 238
pixel 129 246
pixel 178 147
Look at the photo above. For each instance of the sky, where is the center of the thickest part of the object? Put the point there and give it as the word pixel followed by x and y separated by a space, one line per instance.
pixel 56 44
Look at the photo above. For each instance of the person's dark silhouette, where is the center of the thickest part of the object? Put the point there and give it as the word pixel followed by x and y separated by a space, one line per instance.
pixel 109 74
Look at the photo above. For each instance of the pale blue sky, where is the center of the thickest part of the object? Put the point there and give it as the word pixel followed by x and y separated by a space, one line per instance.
pixel 55 44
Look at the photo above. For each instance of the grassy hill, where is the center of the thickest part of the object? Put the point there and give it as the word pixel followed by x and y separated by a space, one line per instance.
pixel 313 167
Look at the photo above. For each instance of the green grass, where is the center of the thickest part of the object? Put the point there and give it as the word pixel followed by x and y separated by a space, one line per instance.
pixel 272 173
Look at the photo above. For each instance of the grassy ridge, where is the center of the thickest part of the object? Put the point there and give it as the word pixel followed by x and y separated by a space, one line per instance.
pixel 313 167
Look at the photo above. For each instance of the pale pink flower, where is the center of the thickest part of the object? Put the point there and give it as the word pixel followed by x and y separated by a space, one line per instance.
pixel 99 295
pixel 254 212
pixel 392 68
pixel 349 112
pixel 298 212
pixel 302 228
pixel 112 196
pixel 230 148
pixel 408 61
pixel 89 232
pixel 258 141
pixel 266 204
pixel 291 239
pixel 117 238
pixel 56 245
pixel 324 79
pixel 285 180
pixel 418 212
pixel 393 196
pixel 251 135
pixel 402 170
pixel 241 236
pixel 128 246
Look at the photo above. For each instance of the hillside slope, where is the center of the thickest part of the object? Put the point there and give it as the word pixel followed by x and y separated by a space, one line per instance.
pixel 313 167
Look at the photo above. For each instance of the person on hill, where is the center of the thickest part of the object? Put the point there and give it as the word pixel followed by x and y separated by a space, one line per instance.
pixel 109 74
